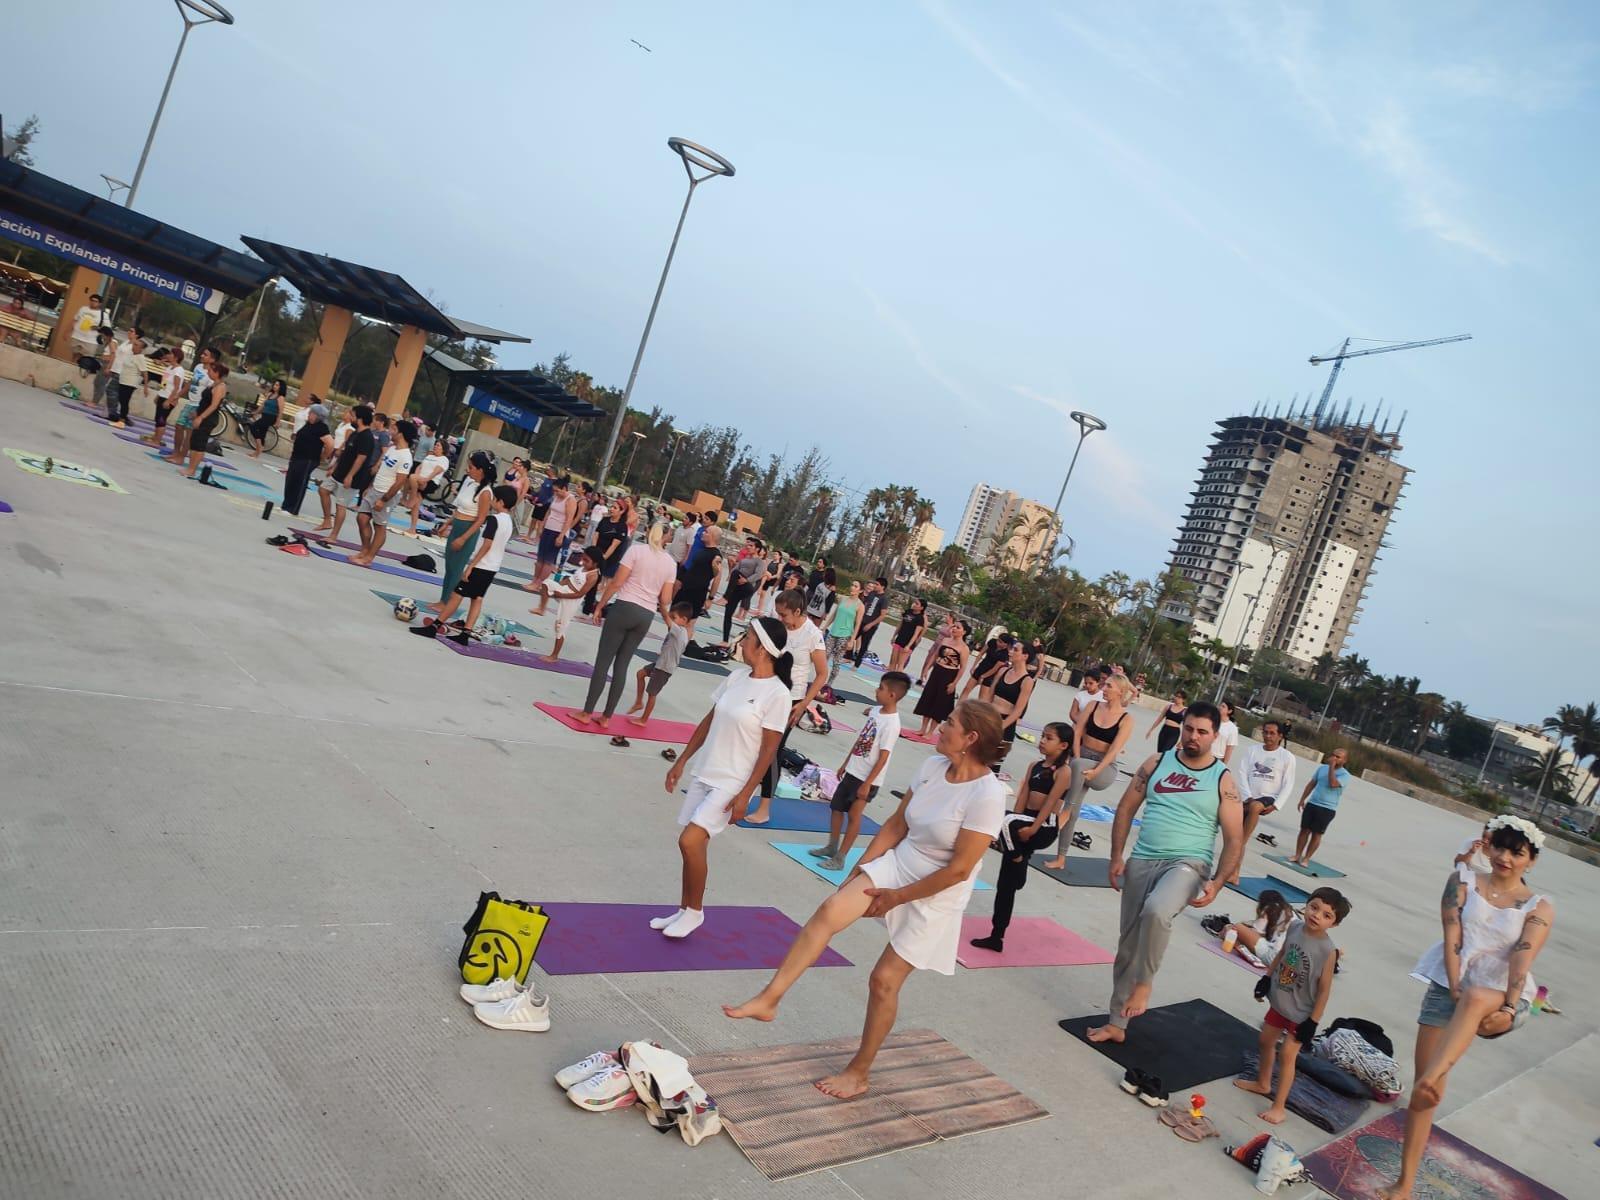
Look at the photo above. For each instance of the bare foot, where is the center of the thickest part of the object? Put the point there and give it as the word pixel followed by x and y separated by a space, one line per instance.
pixel 1273 1116
pixel 846 1085
pixel 1138 1001
pixel 1056 864
pixel 639 721
pixel 1235 879
pixel 1429 1089
pixel 756 1010
pixel 1252 1085
pixel 1394 1192
pixel 548 658
pixel 1107 1033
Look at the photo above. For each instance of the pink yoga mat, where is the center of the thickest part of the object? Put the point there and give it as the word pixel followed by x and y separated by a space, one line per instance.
pixel 1212 946
pixel 518 656
pixel 1030 942
pixel 911 736
pixel 595 939
pixel 676 732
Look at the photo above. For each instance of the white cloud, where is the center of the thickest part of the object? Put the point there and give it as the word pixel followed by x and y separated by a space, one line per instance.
pixel 919 352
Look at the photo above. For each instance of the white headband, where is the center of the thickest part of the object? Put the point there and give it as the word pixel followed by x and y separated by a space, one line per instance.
pixel 765 638
pixel 1522 825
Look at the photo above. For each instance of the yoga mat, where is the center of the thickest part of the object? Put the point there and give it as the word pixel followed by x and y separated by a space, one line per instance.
pixel 1361 1163
pixel 1316 870
pixel 1100 812
pixel 1184 1045
pixel 803 816
pixel 1030 942
pixel 843 697
pixel 1315 1102
pixel 60 468
pixel 923 1090
pixel 1254 885
pixel 800 852
pixel 912 736
pixel 658 730
pixel 606 939
pixel 687 664
pixel 518 656
pixel 382 567
pixel 323 539
pixel 6 508
pixel 1079 872
pixel 1213 946
pixel 516 627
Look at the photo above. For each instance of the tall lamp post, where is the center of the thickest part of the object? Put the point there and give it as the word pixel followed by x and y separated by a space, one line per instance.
pixel 637 438
pixel 713 164
pixel 1087 423
pixel 677 440
pixel 205 12
pixel 1222 620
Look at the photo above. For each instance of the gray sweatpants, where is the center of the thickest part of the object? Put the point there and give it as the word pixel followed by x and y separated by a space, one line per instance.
pixel 1075 790
pixel 625 626
pixel 1154 892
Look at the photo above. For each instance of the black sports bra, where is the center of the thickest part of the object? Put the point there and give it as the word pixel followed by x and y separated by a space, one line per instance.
pixel 1042 778
pixel 1098 732
pixel 1008 691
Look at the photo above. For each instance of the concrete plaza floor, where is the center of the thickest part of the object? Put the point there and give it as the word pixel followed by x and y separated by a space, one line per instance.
pixel 244 816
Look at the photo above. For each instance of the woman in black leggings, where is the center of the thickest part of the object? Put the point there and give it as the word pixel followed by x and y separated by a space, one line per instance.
pixel 1170 722
pixel 643 587
pixel 1031 827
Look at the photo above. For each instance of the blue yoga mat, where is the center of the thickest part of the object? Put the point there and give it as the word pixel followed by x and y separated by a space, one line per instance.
pixel 1099 812
pixel 803 816
pixel 385 568
pixel 1254 885
pixel 800 852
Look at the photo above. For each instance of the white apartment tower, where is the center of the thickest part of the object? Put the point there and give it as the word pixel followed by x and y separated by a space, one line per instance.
pixel 992 514
pixel 1283 531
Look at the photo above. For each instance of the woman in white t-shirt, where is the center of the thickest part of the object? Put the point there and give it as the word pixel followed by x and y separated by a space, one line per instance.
pixel 917 875
pixel 467 518
pixel 1227 734
pixel 643 587
pixel 732 747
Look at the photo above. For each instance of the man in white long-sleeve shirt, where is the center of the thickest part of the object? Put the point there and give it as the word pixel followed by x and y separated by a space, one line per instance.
pixel 1266 777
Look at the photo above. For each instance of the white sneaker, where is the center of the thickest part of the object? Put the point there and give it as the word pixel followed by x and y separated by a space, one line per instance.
pixel 604 1091
pixel 602 1060
pixel 686 923
pixel 663 922
pixel 523 1012
pixel 489 993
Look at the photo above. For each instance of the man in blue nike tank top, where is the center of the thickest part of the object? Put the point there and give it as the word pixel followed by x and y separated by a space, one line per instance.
pixel 1187 795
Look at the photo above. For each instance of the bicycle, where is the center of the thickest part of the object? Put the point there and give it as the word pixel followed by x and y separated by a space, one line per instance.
pixel 244 427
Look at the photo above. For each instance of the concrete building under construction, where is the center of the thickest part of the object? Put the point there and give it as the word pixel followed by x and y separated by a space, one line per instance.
pixel 1284 529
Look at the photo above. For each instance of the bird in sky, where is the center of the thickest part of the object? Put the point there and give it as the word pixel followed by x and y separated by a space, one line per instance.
pixel 641 45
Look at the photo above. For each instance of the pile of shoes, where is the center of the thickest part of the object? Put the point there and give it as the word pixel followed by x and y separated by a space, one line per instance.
pixel 646 1074
pixel 1272 1159
pixel 506 1004
pixel 1145 1086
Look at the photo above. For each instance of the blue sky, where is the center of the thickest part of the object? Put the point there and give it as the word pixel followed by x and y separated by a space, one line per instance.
pixel 951 224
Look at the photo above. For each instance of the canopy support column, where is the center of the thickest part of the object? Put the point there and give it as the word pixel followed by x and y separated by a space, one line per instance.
pixel 402 374
pixel 85 283
pixel 324 358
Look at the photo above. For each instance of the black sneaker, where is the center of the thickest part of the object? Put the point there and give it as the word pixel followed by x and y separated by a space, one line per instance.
pixel 990 943
pixel 427 631
pixel 1215 924
pixel 1152 1093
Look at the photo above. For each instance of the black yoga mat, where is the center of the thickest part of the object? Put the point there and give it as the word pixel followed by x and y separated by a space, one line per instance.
pixel 1183 1045
pixel 1079 872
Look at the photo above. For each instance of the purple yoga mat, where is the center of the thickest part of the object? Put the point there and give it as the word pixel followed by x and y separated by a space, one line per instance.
pixel 612 939
pixel 517 656
pixel 6 508
pixel 385 568
pixel 322 540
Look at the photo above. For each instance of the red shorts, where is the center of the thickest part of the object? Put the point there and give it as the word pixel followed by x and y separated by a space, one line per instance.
pixel 1278 1021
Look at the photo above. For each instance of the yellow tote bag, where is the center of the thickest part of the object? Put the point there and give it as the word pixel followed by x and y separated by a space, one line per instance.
pixel 502 938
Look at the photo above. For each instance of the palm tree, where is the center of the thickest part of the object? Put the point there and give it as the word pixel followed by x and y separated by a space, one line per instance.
pixel 1325 667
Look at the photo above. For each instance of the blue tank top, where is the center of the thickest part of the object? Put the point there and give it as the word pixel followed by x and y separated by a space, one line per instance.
pixel 1179 818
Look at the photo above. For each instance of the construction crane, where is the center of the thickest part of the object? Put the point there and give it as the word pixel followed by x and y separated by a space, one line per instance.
pixel 1345 352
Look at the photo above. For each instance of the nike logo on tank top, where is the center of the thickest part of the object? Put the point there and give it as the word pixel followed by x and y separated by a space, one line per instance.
pixel 1179 817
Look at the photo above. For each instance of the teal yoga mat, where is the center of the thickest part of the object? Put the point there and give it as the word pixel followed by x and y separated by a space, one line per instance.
pixel 1316 870
pixel 802 816
pixel 800 852
pixel 516 627
pixel 1254 885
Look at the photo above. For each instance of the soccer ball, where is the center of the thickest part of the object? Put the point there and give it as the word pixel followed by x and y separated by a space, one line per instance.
pixel 405 609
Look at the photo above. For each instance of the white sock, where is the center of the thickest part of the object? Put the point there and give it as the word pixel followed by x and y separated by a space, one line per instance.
pixel 688 921
pixel 663 922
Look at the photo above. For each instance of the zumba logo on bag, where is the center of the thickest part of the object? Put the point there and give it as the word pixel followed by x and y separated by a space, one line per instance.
pixel 502 938
pixel 495 954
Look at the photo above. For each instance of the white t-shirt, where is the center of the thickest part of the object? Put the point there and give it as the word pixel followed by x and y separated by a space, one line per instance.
pixel 396 461
pixel 467 498
pixel 571 579
pixel 801 643
pixel 497 541
pixel 940 810
pixel 340 434
pixel 171 381
pixel 880 733
pixel 742 707
pixel 1083 700
pixel 433 467
pixel 130 367
pixel 1227 736
pixel 86 325
pixel 596 515
pixel 1267 773
pixel 300 419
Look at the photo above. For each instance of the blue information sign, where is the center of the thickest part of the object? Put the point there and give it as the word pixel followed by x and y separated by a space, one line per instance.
pixel 508 411
pixel 73 249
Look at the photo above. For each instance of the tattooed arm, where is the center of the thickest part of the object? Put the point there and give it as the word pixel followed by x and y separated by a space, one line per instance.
pixel 1450 906
pixel 1535 929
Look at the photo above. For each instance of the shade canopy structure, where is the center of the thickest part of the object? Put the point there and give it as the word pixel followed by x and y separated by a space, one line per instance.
pixel 513 396
pixel 368 291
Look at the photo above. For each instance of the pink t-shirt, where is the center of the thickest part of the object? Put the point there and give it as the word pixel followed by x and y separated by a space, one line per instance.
pixel 648 572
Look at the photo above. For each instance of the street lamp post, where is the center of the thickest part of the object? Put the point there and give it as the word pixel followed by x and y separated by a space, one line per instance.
pixel 677 440
pixel 1489 755
pixel 713 164
pixel 1087 423
pixel 1222 619
pixel 1227 675
pixel 208 12
pixel 637 438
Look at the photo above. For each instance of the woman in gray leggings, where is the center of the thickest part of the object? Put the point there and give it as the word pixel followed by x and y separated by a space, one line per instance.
pixel 643 586
pixel 1102 731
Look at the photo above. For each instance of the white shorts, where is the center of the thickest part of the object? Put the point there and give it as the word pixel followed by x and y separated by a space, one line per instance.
pixel 706 807
pixel 565 611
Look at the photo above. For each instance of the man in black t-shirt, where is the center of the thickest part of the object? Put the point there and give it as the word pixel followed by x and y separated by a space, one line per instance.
pixel 353 469
pixel 793 577
pixel 873 601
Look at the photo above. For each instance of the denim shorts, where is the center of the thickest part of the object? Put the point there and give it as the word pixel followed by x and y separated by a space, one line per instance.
pixel 1438 1008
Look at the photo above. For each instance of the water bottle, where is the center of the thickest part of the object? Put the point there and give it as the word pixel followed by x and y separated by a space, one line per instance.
pixel 1230 939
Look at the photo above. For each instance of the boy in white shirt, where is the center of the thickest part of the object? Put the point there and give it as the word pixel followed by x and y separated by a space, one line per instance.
pixel 1266 777
pixel 480 572
pixel 652 677
pixel 166 395
pixel 863 767
pixel 372 513
pixel 567 587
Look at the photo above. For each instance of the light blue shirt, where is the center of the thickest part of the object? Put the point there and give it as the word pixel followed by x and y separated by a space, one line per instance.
pixel 1324 796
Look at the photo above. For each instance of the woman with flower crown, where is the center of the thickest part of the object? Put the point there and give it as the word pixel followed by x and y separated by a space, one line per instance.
pixel 1479 975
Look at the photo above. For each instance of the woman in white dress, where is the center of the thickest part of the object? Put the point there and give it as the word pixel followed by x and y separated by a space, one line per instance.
pixel 1479 975
pixel 917 875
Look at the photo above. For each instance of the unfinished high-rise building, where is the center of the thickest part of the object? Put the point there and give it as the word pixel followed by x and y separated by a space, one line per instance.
pixel 1284 529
